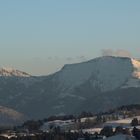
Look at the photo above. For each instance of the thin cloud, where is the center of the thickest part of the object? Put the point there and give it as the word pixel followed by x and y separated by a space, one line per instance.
pixel 82 58
pixel 120 52
pixel 69 59
pixel 49 58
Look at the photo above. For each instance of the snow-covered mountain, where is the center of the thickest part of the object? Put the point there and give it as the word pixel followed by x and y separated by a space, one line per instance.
pixel 96 85
pixel 12 72
pixel 105 73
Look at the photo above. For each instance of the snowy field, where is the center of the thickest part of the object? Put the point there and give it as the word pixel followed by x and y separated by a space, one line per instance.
pixel 125 123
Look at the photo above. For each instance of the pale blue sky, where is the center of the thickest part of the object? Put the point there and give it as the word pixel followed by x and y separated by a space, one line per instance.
pixel 40 36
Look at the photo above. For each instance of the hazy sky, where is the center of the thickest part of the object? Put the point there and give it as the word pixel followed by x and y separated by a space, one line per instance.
pixel 40 36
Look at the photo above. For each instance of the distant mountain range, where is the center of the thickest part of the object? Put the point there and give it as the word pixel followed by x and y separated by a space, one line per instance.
pixel 96 85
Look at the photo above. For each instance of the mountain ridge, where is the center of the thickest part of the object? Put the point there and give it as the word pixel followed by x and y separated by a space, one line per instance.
pixel 12 72
pixel 95 85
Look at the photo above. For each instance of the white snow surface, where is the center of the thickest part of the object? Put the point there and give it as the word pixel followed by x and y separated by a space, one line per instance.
pixel 92 130
pixel 123 122
pixel 126 123
pixel 136 65
pixel 134 80
pixel 105 73
pixel 12 72
pixel 56 123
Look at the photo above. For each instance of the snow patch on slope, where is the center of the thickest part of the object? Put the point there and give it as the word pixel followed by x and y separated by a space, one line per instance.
pixel 136 65
pixel 134 80
pixel 12 72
